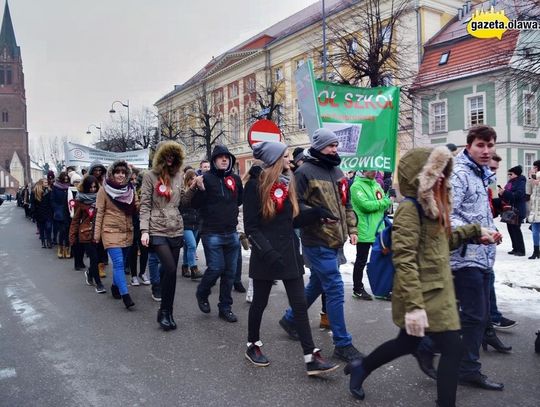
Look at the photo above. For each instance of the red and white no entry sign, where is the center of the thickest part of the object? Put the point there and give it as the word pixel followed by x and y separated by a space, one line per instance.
pixel 263 130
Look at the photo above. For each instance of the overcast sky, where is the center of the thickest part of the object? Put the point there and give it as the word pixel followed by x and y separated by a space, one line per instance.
pixel 81 55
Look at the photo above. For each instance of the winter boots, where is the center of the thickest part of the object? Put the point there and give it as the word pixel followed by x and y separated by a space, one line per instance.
pixel 185 271
pixel 195 274
pixel 536 253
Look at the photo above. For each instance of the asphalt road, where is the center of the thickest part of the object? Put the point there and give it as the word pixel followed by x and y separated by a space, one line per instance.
pixel 61 344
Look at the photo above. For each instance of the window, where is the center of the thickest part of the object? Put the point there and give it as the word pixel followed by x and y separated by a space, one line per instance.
pixel 387 80
pixel 278 74
pixel 299 63
pixel 352 46
pixel 234 123
pixel 530 158
pixel 444 58
pixel 386 34
pixel 299 117
pixel 6 76
pixel 438 116
pixel 5 117
pixel 529 109
pixel 218 97
pixel 251 85
pixel 233 90
pixel 475 110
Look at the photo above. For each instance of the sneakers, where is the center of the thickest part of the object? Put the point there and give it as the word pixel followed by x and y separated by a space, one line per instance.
pixel 289 328
pixel 88 278
pixel 384 297
pixel 227 315
pixel 347 353
pixel 144 279
pixel 255 355
pixel 203 304
pixel 100 289
pixel 504 323
pixel 362 295
pixel 317 365
pixel 156 292
pixel 135 281
pixel 239 287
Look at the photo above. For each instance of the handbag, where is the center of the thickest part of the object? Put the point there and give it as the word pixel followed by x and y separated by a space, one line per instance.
pixel 510 216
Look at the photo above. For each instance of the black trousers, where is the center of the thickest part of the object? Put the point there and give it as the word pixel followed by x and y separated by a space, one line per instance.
pixel 91 250
pixel 362 253
pixel 448 342
pixel 134 256
pixel 517 238
pixel 168 257
pixel 78 254
pixel 297 301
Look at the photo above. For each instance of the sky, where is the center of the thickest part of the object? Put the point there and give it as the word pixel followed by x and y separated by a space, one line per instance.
pixel 81 55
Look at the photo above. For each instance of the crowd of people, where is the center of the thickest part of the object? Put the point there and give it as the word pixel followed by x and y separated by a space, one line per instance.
pixel 295 213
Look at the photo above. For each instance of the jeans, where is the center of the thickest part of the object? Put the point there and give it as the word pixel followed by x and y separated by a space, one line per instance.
pixel 190 247
pixel 238 273
pixel 325 277
pixel 517 237
pixel 119 256
pixel 494 314
pixel 44 230
pixel 472 292
pixel 63 232
pixel 362 253
pixel 221 252
pixel 535 227
pixel 154 267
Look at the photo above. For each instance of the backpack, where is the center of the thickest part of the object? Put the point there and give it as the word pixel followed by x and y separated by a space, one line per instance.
pixel 380 269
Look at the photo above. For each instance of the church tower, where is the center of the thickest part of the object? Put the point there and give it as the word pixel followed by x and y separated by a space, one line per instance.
pixel 13 129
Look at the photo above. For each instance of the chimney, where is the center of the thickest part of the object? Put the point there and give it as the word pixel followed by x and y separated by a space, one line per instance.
pixel 460 14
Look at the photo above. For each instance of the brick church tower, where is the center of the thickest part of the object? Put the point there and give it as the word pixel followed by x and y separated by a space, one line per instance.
pixel 13 131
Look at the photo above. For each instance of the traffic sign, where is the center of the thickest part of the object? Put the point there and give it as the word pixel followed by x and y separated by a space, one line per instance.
pixel 263 130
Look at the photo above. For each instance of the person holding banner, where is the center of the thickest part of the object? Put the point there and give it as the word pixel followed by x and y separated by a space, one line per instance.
pixel 162 227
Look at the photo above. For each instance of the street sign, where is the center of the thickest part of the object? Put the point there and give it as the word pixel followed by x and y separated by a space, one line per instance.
pixel 263 130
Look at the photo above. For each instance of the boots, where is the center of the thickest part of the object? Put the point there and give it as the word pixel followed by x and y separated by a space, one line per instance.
pixel 164 320
pixel 171 319
pixel 185 271
pixel 128 302
pixel 43 244
pixel 101 269
pixel 536 253
pixel 65 252
pixel 60 252
pixel 49 244
pixel 325 324
pixel 195 273
pixel 491 339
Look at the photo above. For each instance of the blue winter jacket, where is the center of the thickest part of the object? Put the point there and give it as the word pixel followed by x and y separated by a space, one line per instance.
pixel 470 204
pixel 515 196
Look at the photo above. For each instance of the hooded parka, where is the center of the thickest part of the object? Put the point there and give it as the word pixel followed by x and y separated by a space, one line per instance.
pixel 421 247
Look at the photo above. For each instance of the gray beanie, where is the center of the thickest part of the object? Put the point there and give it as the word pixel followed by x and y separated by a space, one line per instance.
pixel 269 151
pixel 322 138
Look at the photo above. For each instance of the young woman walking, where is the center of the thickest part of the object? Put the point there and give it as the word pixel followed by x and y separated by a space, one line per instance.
pixel 116 203
pixel 162 194
pixel 271 213
pixel 82 228
pixel 61 216
pixel 423 297
pixel 191 219
pixel 41 204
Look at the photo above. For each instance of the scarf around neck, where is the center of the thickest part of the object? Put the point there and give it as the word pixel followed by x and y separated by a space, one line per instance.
pixel 122 196
pixel 326 160
pixel 86 198
pixel 61 185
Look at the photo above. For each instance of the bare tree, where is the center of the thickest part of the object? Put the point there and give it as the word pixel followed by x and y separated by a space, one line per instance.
pixel 143 129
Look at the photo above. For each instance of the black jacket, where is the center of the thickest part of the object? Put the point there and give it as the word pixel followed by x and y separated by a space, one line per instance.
pixel 516 195
pixel 191 218
pixel 218 204
pixel 42 209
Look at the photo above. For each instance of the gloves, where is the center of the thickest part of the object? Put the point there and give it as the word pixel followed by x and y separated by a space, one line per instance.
pixel 416 322
pixel 274 259
pixel 244 241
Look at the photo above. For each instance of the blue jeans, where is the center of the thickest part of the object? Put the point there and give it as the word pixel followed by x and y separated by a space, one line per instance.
pixel 325 277
pixel 535 227
pixel 494 314
pixel 119 257
pixel 154 267
pixel 44 230
pixel 472 292
pixel 221 252
pixel 190 247
pixel 238 273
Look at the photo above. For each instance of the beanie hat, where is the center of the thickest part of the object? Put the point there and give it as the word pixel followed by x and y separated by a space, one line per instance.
pixel 298 154
pixel 74 177
pixel 518 170
pixel 322 138
pixel 269 152
pixel 50 174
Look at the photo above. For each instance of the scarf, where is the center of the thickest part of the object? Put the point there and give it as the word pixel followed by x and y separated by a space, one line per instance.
pixel 122 196
pixel 61 185
pixel 328 161
pixel 86 198
pixel 285 179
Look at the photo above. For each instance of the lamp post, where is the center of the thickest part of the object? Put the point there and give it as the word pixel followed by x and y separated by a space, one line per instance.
pixel 97 128
pixel 324 39
pixel 126 105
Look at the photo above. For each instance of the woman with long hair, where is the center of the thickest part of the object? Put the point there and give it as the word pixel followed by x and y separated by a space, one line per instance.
pixel 423 297
pixel 271 213
pixel 191 220
pixel 162 195
pixel 61 216
pixel 82 228
pixel 116 203
pixel 41 204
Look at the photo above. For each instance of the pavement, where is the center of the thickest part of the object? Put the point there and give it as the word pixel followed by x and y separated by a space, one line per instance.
pixel 61 345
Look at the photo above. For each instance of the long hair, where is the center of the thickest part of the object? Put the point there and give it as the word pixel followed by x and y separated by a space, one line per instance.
pixel 39 189
pixel 269 176
pixel 441 193
pixel 188 177
pixel 87 182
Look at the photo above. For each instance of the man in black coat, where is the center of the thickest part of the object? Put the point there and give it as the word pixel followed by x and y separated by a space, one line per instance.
pixel 218 204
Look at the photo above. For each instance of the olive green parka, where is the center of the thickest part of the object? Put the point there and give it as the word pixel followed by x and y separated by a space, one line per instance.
pixel 421 247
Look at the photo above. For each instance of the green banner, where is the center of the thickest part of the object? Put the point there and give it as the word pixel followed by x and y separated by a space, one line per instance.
pixel 364 119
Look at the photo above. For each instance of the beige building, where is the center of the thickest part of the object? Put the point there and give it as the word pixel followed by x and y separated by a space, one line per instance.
pixel 234 81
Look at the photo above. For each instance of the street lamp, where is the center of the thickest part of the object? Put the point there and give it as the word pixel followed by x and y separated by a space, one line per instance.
pixel 97 128
pixel 126 105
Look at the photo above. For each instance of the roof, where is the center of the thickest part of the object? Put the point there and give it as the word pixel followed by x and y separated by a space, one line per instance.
pixel 468 56
pixel 7 34
pixel 284 28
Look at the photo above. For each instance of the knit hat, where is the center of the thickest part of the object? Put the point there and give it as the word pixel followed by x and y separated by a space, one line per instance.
pixel 518 170
pixel 323 137
pixel 50 174
pixel 74 177
pixel 269 152
pixel 298 154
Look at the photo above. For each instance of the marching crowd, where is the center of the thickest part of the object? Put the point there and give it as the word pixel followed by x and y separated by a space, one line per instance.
pixel 298 211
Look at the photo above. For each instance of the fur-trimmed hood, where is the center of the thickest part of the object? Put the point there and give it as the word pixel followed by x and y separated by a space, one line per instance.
pixel 95 164
pixel 164 149
pixel 116 164
pixel 418 172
